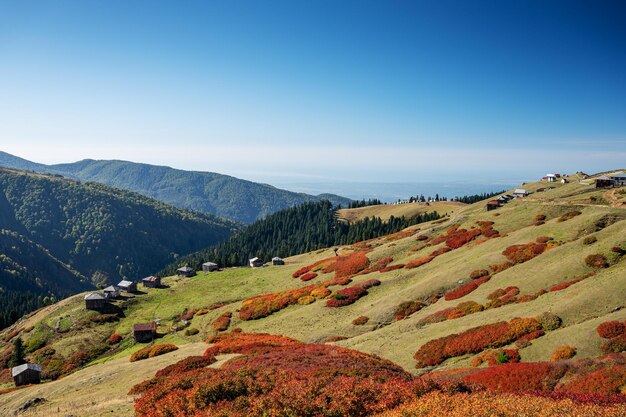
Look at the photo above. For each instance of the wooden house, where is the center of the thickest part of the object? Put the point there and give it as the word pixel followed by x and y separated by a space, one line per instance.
pixel 277 261
pixel 604 182
pixel 111 292
pixel 520 192
pixel 151 282
pixel 492 205
pixel 95 301
pixel 28 373
pixel 185 271
pixel 256 263
pixel 210 267
pixel 145 332
pixel 551 177
pixel 619 180
pixel 127 286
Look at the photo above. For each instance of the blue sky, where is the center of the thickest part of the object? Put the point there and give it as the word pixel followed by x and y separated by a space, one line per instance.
pixel 319 90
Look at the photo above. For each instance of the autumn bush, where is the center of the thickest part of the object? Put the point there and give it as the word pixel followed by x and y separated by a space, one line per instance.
pixel 367 284
pixel 392 268
pixel 418 262
pixel 564 285
pixel 264 305
pixel 540 217
pixel 348 265
pixel 549 321
pixel 152 351
pixel 361 320
pixel 314 267
pixel 306 300
pixel 543 239
pixel 518 377
pixel 562 353
pixel 611 329
pixel 614 345
pixel 589 240
pixel 525 252
pixel 596 261
pixel 618 250
pixel 465 289
pixel 321 292
pixel 497 268
pixel 308 276
pixel 407 308
pixel 246 343
pixel 222 322
pixel 569 215
pixel 114 339
pixel 440 251
pixel 346 296
pixel 474 340
pixel 479 273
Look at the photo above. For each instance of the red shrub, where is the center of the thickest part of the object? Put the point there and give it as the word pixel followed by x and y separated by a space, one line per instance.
pixel 540 217
pixel 222 322
pixel 418 262
pixel 500 267
pixel 474 340
pixel 479 273
pixel 605 381
pixel 440 251
pixel 522 253
pixel 520 377
pixel 346 296
pixel 367 284
pixel 596 261
pixel 246 343
pixel 543 239
pixel 348 265
pixel 361 320
pixel 309 276
pixel 564 285
pixel 314 267
pixel 614 345
pixel 188 314
pixel 465 289
pixel 391 268
pixel 114 339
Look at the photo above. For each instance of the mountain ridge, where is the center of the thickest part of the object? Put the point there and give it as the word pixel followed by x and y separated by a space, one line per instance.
pixel 223 195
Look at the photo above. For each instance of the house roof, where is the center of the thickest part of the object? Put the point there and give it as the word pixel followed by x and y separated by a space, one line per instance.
pixel 520 191
pixel 254 259
pixel 125 283
pixel 550 175
pixel 21 368
pixel 143 327
pixel 185 269
pixel 151 278
pixel 493 203
pixel 603 178
pixel 111 288
pixel 209 264
pixel 618 177
pixel 94 296
pixel 277 258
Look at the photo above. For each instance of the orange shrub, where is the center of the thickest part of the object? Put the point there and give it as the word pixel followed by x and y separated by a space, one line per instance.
pixel 264 305
pixel 308 276
pixel 522 253
pixel 114 339
pixel 391 268
pixel 152 351
pixel 346 296
pixel 321 292
pixel 222 322
pixel 465 289
pixel 348 265
pixel 562 353
pixel 418 262
pixel 361 320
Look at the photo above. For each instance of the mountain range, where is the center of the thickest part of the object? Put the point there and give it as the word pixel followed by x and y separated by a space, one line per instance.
pixel 222 195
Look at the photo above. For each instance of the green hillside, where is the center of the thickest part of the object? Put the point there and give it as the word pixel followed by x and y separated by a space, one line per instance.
pixel 51 224
pixel 221 195
pixel 559 251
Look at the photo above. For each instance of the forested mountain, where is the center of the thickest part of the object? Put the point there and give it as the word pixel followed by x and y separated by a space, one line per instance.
pixel 60 236
pixel 292 231
pixel 222 195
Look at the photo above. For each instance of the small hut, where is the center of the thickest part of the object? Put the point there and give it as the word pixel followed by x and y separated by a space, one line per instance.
pixel 551 177
pixel 95 301
pixel 151 282
pixel 145 332
pixel 492 205
pixel 619 180
pixel 28 373
pixel 256 263
pixel 111 292
pixel 277 261
pixel 185 271
pixel 604 182
pixel 520 192
pixel 127 286
pixel 210 267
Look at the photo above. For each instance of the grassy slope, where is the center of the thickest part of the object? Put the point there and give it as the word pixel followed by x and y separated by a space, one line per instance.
pixel 582 306
pixel 397 210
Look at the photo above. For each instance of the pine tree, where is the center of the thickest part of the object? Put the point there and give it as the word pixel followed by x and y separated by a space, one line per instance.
pixel 18 353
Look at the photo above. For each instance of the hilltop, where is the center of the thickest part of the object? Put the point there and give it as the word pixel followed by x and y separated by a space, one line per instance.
pixel 61 236
pixel 402 296
pixel 222 195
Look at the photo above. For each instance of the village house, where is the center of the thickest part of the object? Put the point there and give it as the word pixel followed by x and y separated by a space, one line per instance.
pixel 550 177
pixel 28 373
pixel 619 180
pixel 277 261
pixel 604 182
pixel 210 267
pixel 127 286
pixel 256 263
pixel 145 332
pixel 111 292
pixel 185 271
pixel 520 192
pixel 95 301
pixel 151 282
pixel 492 205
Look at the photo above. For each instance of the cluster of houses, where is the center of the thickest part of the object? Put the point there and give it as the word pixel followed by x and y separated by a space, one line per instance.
pixel 555 178
pixel 500 201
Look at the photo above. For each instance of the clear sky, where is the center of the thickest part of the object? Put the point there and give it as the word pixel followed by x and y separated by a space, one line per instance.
pixel 318 90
